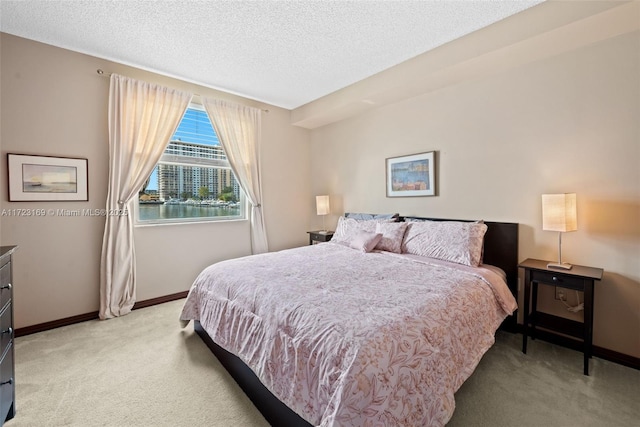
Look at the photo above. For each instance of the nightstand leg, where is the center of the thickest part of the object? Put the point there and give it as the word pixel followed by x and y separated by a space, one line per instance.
pixel 534 309
pixel 527 295
pixel 588 323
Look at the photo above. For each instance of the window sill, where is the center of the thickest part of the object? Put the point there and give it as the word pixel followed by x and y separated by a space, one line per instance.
pixel 186 221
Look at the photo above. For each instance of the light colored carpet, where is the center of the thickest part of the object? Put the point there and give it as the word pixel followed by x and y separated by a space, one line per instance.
pixel 143 370
pixel 546 388
pixel 136 370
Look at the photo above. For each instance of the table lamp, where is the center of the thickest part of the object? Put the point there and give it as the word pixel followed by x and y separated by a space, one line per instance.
pixel 323 208
pixel 559 214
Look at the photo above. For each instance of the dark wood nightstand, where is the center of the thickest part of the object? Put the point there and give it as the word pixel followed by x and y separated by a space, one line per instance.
pixel 319 236
pixel 580 278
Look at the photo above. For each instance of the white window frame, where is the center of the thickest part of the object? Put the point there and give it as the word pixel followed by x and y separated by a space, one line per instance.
pixel 188 161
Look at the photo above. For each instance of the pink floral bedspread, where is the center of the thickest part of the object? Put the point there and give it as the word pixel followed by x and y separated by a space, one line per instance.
pixel 346 338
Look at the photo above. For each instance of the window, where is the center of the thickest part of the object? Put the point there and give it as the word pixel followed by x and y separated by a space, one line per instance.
pixel 193 180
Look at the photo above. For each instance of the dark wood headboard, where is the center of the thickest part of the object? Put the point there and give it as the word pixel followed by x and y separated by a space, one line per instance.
pixel 500 249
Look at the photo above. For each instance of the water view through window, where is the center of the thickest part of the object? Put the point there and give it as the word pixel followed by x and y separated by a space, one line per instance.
pixel 149 212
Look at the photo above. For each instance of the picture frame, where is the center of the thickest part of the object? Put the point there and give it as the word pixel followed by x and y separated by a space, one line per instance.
pixel 34 178
pixel 412 175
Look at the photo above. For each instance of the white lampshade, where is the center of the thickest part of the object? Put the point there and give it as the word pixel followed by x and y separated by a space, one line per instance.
pixel 322 205
pixel 559 212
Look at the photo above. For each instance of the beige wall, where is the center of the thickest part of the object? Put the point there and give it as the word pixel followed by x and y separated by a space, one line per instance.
pixel 564 119
pixel 567 123
pixel 54 103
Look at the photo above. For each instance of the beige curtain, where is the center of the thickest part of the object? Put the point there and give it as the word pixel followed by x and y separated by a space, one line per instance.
pixel 238 128
pixel 142 118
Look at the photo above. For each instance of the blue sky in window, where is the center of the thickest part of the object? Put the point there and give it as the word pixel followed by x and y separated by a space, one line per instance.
pixel 195 127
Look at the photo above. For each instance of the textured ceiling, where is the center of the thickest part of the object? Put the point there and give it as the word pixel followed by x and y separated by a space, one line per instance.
pixel 285 53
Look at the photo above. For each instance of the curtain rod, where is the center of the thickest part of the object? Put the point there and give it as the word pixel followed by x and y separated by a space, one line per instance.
pixel 103 74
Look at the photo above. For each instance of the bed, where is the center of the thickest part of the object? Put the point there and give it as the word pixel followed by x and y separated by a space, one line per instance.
pixel 352 332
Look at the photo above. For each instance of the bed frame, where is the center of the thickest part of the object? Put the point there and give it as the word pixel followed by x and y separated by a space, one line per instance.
pixel 500 249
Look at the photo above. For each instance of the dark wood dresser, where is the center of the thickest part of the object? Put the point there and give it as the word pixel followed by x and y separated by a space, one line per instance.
pixel 7 381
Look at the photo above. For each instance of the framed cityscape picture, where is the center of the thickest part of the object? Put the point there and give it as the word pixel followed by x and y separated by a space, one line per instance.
pixel 45 178
pixel 410 176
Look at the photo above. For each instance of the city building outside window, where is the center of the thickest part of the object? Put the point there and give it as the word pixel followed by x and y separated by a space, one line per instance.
pixel 193 180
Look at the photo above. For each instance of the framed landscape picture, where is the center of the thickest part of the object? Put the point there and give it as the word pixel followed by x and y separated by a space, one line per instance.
pixel 44 178
pixel 410 176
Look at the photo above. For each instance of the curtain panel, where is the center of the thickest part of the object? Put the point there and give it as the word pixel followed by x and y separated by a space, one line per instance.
pixel 142 118
pixel 238 128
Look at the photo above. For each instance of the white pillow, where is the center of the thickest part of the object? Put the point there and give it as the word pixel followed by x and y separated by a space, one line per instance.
pixel 347 227
pixel 366 216
pixel 364 241
pixel 454 241
pixel 392 235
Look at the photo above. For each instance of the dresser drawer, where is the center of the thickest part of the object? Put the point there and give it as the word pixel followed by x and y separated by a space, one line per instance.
pixel 557 279
pixel 7 385
pixel 5 284
pixel 6 328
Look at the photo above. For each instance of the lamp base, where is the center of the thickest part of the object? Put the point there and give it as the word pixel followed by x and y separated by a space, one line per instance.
pixel 562 266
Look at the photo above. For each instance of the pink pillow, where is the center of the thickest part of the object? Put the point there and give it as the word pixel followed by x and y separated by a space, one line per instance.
pixel 347 227
pixel 364 241
pixel 392 235
pixel 459 242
